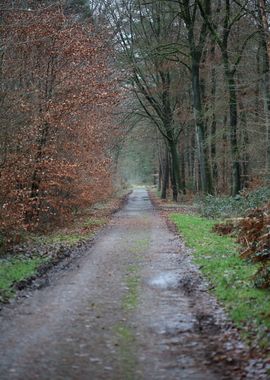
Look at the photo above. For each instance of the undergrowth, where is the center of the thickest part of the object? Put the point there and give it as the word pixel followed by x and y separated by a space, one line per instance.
pixel 22 261
pixel 231 277
pixel 223 207
pixel 59 238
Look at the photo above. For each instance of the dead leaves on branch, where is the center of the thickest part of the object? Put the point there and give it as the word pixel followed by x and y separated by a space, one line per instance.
pixel 56 132
pixel 253 233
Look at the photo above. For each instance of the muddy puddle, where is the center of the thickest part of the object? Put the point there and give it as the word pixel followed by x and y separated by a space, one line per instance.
pixel 165 280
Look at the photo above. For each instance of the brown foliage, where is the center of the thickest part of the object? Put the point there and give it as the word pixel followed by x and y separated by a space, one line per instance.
pixel 253 232
pixel 57 92
pixel 254 235
pixel 223 228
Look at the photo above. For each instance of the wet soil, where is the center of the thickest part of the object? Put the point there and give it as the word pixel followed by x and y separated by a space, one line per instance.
pixel 133 306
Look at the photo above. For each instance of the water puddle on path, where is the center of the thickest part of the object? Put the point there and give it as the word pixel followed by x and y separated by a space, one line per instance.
pixel 165 280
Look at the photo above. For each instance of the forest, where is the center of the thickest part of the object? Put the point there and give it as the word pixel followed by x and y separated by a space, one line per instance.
pixel 151 117
pixel 97 96
pixel 189 80
pixel 200 76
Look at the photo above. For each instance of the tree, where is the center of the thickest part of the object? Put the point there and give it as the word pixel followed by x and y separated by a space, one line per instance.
pixel 189 14
pixel 263 26
pixel 230 63
pixel 58 89
pixel 144 29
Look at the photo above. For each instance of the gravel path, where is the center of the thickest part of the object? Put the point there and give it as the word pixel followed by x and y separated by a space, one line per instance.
pixel 133 307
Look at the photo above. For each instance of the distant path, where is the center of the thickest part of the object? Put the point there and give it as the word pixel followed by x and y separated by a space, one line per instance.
pixel 133 307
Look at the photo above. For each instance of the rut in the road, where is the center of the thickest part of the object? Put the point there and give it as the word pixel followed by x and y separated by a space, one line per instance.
pixel 133 307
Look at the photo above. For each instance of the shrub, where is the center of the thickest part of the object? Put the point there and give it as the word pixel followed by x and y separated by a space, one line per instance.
pixel 224 207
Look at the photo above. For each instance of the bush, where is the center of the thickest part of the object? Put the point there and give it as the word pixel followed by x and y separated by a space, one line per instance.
pixel 224 207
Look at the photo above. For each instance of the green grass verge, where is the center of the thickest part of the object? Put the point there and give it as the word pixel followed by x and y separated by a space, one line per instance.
pixel 15 270
pixel 18 268
pixel 231 277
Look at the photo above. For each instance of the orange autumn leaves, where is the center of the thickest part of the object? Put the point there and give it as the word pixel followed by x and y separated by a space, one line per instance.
pixel 57 94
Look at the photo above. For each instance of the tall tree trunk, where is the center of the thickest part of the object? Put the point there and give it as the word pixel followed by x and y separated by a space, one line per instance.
pixel 159 176
pixel 213 126
pixel 224 171
pixel 231 86
pixel 245 159
pixel 165 175
pixel 258 85
pixel 175 169
pixel 264 36
pixel 205 177
pixel 193 160
pixel 41 143
pixel 173 183
pixel 244 144
pixel 183 169
pixel 196 49
pixel 36 176
pixel 172 140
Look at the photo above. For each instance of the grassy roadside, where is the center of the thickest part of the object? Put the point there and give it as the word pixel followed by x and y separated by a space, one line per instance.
pixel 13 271
pixel 231 277
pixel 38 252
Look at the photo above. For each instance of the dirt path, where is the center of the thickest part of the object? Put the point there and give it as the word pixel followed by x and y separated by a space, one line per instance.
pixel 133 307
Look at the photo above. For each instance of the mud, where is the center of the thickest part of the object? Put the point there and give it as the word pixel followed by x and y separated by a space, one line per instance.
pixel 133 306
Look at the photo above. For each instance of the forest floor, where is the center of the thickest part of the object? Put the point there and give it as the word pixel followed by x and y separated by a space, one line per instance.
pixel 132 305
